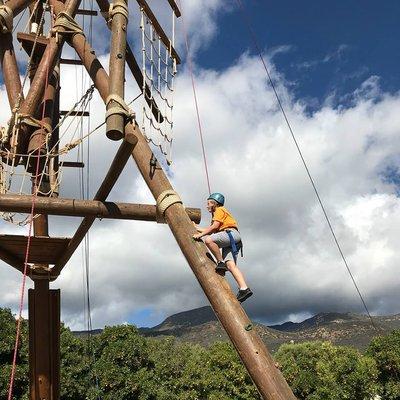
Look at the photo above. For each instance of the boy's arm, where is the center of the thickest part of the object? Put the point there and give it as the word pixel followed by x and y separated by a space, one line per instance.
pixel 206 231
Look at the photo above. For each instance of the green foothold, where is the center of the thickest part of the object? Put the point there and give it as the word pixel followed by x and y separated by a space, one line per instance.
pixel 249 327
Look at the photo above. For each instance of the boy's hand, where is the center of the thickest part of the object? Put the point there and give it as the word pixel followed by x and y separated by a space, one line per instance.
pixel 197 236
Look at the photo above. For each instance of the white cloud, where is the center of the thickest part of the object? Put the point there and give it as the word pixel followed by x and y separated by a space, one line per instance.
pixel 290 258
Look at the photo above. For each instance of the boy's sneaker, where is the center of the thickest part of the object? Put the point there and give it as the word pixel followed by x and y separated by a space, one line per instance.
pixel 221 267
pixel 244 294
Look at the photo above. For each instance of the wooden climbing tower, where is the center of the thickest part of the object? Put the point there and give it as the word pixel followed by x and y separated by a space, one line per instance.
pixel 30 146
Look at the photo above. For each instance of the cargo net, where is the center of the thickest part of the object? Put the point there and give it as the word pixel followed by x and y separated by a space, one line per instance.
pixel 159 70
pixel 39 172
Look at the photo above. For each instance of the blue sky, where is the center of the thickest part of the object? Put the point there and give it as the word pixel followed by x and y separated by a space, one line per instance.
pixel 331 45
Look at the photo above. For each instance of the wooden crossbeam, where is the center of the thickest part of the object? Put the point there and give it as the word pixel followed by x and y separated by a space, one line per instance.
pixel 85 208
pixel 27 41
pixel 42 250
pixel 75 113
pixel 72 164
pixel 87 12
pixel 70 61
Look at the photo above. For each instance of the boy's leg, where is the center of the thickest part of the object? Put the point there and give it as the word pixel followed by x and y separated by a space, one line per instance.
pixel 213 247
pixel 237 274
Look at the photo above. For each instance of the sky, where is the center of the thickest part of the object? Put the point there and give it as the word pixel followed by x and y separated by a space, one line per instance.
pixel 335 67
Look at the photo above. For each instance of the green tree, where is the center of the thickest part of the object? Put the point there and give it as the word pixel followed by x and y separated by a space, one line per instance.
pixel 121 366
pixel 386 352
pixel 7 345
pixel 321 371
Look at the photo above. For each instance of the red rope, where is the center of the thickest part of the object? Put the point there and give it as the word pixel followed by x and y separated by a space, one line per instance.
pixel 189 59
pixel 22 293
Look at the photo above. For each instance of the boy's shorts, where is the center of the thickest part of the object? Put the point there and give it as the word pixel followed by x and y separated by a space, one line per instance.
pixel 221 239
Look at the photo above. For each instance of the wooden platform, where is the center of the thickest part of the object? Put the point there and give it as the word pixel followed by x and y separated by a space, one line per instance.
pixel 43 250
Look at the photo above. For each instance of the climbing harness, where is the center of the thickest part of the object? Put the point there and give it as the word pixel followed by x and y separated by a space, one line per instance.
pixel 235 247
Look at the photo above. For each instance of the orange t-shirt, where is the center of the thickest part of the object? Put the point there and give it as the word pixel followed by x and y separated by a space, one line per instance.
pixel 221 214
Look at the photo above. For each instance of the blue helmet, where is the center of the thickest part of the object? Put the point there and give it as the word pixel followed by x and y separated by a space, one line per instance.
pixel 218 197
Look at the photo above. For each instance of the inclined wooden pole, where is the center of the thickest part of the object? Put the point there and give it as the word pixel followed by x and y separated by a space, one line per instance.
pixel 84 208
pixel 8 59
pixel 249 345
pixel 118 18
pixel 43 72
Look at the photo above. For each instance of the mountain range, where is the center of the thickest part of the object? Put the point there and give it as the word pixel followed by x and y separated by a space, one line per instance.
pixel 201 326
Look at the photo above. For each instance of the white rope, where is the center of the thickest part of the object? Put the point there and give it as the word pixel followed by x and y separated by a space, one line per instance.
pixel 159 70
pixel 165 200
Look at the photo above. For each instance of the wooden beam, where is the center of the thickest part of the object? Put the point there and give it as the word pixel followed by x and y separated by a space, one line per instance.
pixel 136 71
pixel 160 31
pixel 175 7
pixel 72 164
pixel 76 113
pixel 67 61
pixel 115 123
pixel 85 208
pixel 259 363
pixel 87 12
pixel 10 259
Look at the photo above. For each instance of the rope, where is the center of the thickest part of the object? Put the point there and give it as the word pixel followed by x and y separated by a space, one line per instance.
pixel 258 49
pixel 65 24
pixel 6 19
pixel 118 7
pixel 165 200
pixel 189 59
pixel 121 108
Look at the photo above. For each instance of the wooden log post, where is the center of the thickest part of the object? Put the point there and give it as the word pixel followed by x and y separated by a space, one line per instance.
pixel 44 342
pixel 115 117
pixel 251 349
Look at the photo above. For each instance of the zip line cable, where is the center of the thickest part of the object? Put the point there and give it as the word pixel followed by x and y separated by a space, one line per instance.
pixel 190 65
pixel 271 82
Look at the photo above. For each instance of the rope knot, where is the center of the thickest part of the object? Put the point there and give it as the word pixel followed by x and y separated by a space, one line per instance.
pixel 165 200
pixel 121 108
pixel 117 7
pixel 65 24
pixel 6 19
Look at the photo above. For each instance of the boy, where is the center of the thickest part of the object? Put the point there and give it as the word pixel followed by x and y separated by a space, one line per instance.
pixel 223 233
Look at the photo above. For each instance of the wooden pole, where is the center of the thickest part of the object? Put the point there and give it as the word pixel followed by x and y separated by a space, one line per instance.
pixel 136 71
pixel 251 349
pixel 44 342
pixel 43 72
pixel 85 208
pixel 119 22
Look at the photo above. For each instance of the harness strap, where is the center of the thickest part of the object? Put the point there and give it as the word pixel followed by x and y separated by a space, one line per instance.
pixel 235 248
